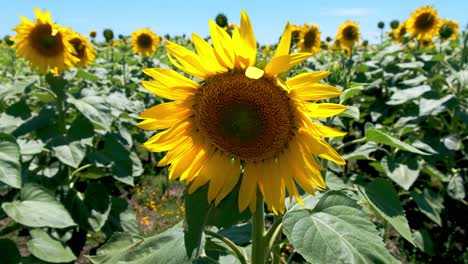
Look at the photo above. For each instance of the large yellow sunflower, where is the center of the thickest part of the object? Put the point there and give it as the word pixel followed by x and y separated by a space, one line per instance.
pixel 423 23
pixel 241 120
pixel 309 39
pixel 448 29
pixel 348 33
pixel 82 50
pixel 145 42
pixel 44 44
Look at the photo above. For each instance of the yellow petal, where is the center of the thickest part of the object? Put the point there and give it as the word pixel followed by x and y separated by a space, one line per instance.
pixel 249 44
pixel 206 52
pixel 280 64
pixel 323 110
pixel 254 73
pixel 168 139
pixel 232 172
pixel 306 79
pixel 248 188
pixel 222 44
pixel 315 91
pixel 170 78
pixel 189 61
pixel 177 151
pixel 284 43
pixel 325 131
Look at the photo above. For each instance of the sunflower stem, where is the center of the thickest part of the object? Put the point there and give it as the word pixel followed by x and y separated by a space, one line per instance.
pixel 258 232
pixel 61 115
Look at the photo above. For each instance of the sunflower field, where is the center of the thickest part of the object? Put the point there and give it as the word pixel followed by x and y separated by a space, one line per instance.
pixel 219 149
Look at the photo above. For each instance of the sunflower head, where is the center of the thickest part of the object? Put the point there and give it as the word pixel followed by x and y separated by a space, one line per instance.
pixel 381 25
pixel 365 43
pixel 145 42
pixel 222 20
pixel 328 39
pixel 295 34
pixel 309 39
pixel 448 29
pixel 399 34
pixel 108 35
pixel 423 23
pixel 348 33
pixel 82 50
pixel 426 43
pixel 92 34
pixel 8 41
pixel 241 124
pixel 394 24
pixel 44 44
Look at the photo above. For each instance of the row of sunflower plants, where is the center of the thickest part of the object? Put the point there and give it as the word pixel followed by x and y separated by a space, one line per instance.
pixel 69 148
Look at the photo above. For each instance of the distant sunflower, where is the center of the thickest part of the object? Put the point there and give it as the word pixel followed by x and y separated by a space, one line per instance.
pixel 82 50
pixel 423 23
pixel 400 33
pixel 92 34
pixel 145 42
pixel 241 120
pixel 448 29
pixel 348 33
pixel 309 39
pixel 44 44
pixel 426 43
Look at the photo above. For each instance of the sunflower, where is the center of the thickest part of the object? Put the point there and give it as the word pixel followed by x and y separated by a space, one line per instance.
pixel 400 33
pixel 241 123
pixel 82 50
pixel 426 43
pixel 448 29
pixel 145 42
pixel 92 34
pixel 423 23
pixel 348 33
pixel 44 44
pixel 309 39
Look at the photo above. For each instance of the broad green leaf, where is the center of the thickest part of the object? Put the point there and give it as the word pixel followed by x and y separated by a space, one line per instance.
pixel 362 152
pixel 456 188
pixel 351 112
pixel 350 92
pixel 452 142
pixel 403 95
pixel 18 87
pixel 239 234
pixel 98 202
pixel 384 199
pixel 10 253
pixel 410 65
pixel 48 249
pixel 30 147
pixel 38 208
pixel 121 218
pixel 413 82
pixel 196 213
pixel 422 239
pixel 335 231
pixel 434 172
pixel 68 152
pixel 381 137
pixel 95 109
pixel 334 182
pixel 403 171
pixel 434 106
pixel 167 247
pixel 430 204
pixel 10 166
pixel 86 75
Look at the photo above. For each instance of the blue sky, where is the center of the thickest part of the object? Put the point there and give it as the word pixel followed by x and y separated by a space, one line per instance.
pixel 178 16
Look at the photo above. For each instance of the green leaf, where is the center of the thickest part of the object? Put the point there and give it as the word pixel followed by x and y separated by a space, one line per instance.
pixel 384 199
pixel 336 230
pixel 95 109
pixel 423 241
pixel 381 137
pixel 362 152
pixel 434 106
pixel 456 188
pixel 412 82
pixel 10 253
pixel 10 166
pixel 98 202
pixel 68 152
pixel 86 75
pixel 452 142
pixel 351 112
pixel 38 208
pixel 430 204
pixel 167 247
pixel 410 65
pixel 196 213
pixel 48 249
pixel 403 95
pixel 403 171
pixel 30 147
pixel 121 218
pixel 350 92
pixel 434 172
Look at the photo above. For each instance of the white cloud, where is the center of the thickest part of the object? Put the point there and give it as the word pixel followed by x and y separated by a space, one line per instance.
pixel 356 12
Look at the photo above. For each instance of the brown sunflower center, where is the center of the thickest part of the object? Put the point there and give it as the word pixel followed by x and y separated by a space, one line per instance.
pixel 144 41
pixel 248 119
pixel 350 33
pixel 402 32
pixel 425 21
pixel 309 38
pixel 45 42
pixel 79 47
pixel 446 31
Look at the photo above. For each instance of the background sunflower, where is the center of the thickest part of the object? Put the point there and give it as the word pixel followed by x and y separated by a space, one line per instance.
pixel 144 42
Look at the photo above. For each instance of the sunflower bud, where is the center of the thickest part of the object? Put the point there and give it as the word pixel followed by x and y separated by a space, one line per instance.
pixel 394 24
pixel 381 25
pixel 92 34
pixel 446 31
pixel 328 39
pixel 365 43
pixel 108 35
pixel 221 20
pixel 8 41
